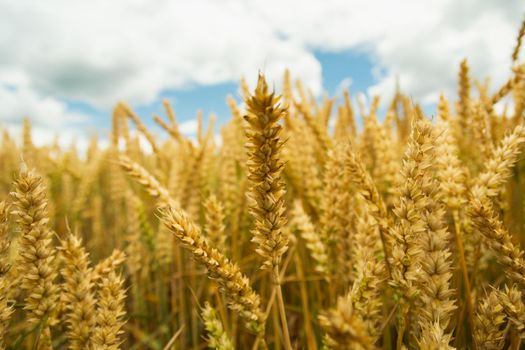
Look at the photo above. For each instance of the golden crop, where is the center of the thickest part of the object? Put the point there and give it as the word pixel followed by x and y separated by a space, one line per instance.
pixel 404 233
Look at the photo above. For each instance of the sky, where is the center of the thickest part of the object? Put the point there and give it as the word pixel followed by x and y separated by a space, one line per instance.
pixel 65 63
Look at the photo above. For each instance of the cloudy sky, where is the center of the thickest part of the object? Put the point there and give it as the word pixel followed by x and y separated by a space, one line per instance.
pixel 65 63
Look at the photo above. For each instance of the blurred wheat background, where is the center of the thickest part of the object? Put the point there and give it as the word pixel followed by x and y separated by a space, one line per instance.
pixel 308 223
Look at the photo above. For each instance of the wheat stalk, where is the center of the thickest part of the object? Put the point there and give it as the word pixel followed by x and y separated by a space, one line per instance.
pixel 521 34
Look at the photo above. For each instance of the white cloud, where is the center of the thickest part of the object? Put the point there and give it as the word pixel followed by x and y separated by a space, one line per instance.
pixel 22 102
pixel 343 85
pixel 422 42
pixel 189 127
pixel 362 102
pixel 427 58
pixel 102 51
pixel 49 118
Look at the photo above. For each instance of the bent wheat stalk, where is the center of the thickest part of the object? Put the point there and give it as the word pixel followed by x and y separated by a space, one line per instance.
pixel 233 284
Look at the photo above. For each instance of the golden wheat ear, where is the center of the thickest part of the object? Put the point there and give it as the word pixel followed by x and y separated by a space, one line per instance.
pixel 266 195
pixel 217 337
pixel 148 181
pixel 214 218
pixel 110 313
pixel 498 167
pixel 367 189
pixel 6 280
pixel 511 299
pixel 5 240
pixel 499 239
pixel 232 283
pixel 36 265
pixel 141 127
pixel 77 297
pixel 489 322
pixel 344 329
pixel 318 250
pixel 111 263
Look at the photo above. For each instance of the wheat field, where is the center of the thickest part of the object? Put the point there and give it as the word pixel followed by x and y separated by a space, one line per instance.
pixel 311 224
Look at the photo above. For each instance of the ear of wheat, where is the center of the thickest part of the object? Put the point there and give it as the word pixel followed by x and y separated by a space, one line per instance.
pixel 235 286
pixel 110 313
pixel 36 255
pixel 77 293
pixel 217 337
pixel 6 308
pixel 264 166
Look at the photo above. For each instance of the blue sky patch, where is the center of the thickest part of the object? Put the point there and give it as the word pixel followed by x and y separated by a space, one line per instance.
pixel 337 66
